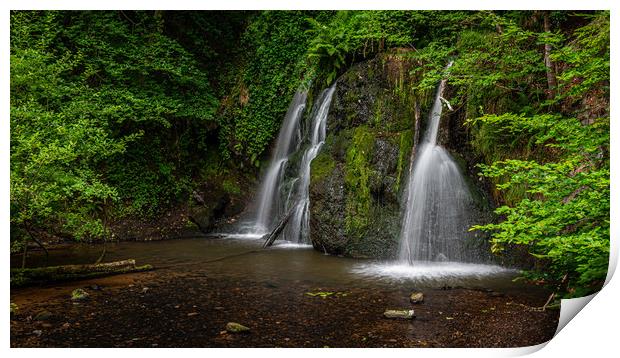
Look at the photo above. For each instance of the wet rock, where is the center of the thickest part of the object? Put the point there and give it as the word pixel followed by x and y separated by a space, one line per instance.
pixel 357 177
pixel 145 289
pixel 234 327
pixel 399 314
pixel 43 316
pixel 37 332
pixel 191 314
pixel 79 295
pixel 416 297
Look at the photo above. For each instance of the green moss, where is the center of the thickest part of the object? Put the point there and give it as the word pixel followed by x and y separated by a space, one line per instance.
pixel 321 166
pixel 357 174
pixel 405 146
pixel 230 186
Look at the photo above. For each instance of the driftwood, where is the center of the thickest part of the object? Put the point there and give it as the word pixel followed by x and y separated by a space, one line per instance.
pixel 29 276
pixel 271 237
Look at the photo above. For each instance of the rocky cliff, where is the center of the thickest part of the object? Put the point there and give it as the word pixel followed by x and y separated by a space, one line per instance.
pixel 358 178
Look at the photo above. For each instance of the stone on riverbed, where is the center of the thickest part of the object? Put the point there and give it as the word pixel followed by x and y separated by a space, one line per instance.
pixel 79 295
pixel 416 297
pixel 43 316
pixel 399 314
pixel 234 327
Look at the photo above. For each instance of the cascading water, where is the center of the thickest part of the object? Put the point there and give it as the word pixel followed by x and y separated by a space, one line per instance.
pixel 280 191
pixel 436 219
pixel 299 225
pixel 270 204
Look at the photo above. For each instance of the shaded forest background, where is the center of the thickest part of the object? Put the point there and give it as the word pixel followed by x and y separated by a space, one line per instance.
pixel 118 115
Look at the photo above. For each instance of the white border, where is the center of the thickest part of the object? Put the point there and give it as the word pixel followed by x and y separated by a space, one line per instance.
pixel 593 330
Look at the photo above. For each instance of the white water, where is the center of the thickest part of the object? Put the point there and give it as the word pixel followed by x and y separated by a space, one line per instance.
pixel 270 207
pixel 434 273
pixel 299 224
pixel 436 221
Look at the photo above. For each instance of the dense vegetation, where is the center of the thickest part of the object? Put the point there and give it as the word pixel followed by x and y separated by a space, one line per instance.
pixel 121 114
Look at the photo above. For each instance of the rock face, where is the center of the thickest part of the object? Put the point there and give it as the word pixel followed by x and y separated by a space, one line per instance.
pixel 357 179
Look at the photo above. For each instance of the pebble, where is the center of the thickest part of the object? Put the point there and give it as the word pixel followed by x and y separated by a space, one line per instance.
pixel 234 327
pixel 43 316
pixel 79 295
pixel 192 314
pixel 399 314
pixel 37 332
pixel 416 297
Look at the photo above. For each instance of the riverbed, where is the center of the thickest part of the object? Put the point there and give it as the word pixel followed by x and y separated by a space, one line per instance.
pixel 288 295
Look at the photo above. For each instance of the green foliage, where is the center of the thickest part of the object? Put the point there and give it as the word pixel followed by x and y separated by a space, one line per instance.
pixel 586 58
pixel 275 42
pixel 564 217
pixel 351 35
pixel 559 200
pixel 109 114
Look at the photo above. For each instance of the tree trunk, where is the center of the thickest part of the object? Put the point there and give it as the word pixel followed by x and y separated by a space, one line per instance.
pixel 551 80
pixel 23 277
pixel 276 232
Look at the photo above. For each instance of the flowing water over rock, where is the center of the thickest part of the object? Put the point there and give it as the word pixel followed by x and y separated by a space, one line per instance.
pixel 436 221
pixel 280 191
pixel 269 203
pixel 299 226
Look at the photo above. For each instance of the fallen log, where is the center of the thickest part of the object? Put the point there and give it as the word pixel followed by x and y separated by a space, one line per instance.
pixel 30 276
pixel 270 238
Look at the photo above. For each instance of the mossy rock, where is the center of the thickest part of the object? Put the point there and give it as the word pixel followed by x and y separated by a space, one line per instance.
pixel 79 295
pixel 234 327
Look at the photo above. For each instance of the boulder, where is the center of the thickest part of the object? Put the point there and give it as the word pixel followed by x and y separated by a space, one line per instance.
pixel 358 177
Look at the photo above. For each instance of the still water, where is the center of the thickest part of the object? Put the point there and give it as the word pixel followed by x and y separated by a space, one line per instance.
pixel 241 256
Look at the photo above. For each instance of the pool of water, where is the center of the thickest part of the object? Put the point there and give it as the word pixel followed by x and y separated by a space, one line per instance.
pixel 242 256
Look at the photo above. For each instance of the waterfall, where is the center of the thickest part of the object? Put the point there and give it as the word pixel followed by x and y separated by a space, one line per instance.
pixel 280 191
pixel 269 203
pixel 437 199
pixel 299 226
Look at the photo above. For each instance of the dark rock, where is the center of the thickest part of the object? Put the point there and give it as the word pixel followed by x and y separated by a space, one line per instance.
pixel 358 177
pixel 43 316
